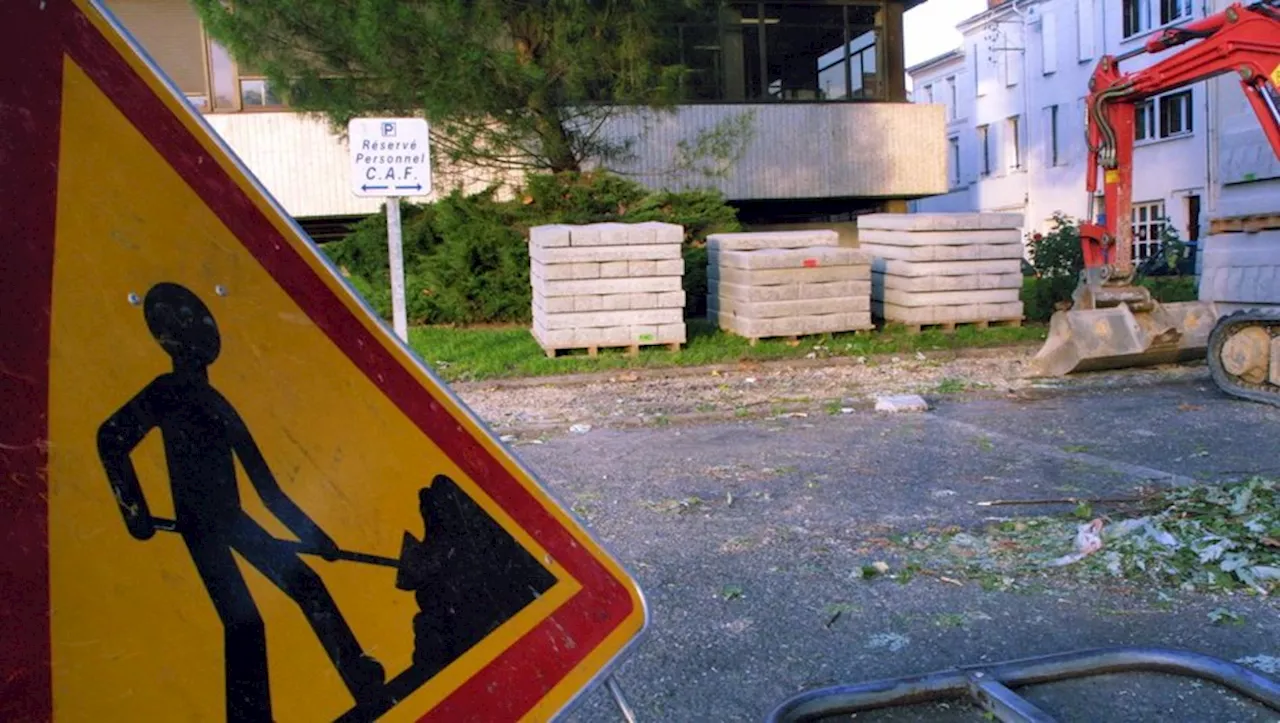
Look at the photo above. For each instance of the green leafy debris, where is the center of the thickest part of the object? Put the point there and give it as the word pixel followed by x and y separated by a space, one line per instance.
pixel 1204 538
pixel 731 592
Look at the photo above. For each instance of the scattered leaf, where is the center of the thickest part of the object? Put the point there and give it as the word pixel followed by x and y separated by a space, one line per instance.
pixel 1219 616
pixel 731 592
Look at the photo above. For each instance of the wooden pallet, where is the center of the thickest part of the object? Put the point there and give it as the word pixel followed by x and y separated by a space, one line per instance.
pixel 594 350
pixel 1245 224
pixel 950 326
pixel 794 339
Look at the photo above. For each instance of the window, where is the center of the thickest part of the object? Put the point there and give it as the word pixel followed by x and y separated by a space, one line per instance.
pixel 222 70
pixel 862 65
pixel 1148 225
pixel 1053 135
pixel 1174 10
pixel 1144 120
pixel 1011 42
pixel 1138 14
pixel 1175 114
pixel 1136 17
pixel 751 80
pixel 1193 217
pixel 773 51
pixel 700 55
pixel 953 99
pixel 984 140
pixel 172 35
pixel 953 147
pixel 1084 29
pixel 977 86
pixel 1014 141
pixel 928 94
pixel 257 93
pixel 1166 116
pixel 1048 44
pixel 799 42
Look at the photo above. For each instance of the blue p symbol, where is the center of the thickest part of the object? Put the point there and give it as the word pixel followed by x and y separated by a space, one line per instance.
pixel 388 129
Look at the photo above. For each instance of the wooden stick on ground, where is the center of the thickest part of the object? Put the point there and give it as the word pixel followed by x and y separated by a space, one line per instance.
pixel 1061 501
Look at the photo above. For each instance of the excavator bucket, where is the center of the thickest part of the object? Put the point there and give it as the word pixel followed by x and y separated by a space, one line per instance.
pixel 1117 337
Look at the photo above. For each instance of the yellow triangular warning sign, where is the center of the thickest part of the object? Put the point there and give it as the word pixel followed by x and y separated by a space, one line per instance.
pixel 259 505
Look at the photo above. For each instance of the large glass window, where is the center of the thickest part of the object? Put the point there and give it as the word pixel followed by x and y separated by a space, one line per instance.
pixel 752 62
pixel 223 70
pixel 700 52
pixel 783 52
pixel 804 43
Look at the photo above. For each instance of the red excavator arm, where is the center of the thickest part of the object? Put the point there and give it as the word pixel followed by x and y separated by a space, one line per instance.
pixel 1241 39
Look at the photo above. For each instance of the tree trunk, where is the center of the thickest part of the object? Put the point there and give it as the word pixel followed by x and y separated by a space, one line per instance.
pixel 557 146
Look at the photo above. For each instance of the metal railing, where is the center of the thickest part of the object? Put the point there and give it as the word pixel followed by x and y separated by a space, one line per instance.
pixel 990 686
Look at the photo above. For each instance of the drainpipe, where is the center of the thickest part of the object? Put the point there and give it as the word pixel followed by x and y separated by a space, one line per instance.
pixel 1211 150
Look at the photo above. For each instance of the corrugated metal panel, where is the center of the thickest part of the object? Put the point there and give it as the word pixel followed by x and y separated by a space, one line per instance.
pixel 307 167
pixel 298 159
pixel 171 34
pixel 798 151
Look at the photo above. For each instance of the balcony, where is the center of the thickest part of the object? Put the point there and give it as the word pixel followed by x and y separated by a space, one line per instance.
pixel 799 151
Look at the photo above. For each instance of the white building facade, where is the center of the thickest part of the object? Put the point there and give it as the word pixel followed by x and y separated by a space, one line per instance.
pixel 1016 126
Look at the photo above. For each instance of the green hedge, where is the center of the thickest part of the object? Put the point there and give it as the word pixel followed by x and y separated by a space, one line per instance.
pixel 1057 260
pixel 1170 289
pixel 467 258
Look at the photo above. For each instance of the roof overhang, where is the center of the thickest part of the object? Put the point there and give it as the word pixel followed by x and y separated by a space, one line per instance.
pixel 937 60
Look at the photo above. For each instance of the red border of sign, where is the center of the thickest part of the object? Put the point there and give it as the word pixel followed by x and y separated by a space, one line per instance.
pixel 32 44
pixel 29 119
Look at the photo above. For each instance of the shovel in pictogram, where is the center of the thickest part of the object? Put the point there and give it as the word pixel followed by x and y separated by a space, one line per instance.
pixel 408 566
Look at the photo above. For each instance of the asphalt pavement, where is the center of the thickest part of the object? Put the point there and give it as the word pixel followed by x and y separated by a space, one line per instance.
pixel 748 538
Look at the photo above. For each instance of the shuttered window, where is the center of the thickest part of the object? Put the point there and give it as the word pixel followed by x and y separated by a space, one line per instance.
pixel 1049 44
pixel 1084 29
pixel 170 32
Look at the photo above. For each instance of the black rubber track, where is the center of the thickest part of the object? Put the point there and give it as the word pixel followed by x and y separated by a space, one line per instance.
pixel 1229 383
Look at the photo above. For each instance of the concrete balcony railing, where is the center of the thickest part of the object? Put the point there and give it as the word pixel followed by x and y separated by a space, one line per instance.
pixel 809 150
pixel 812 150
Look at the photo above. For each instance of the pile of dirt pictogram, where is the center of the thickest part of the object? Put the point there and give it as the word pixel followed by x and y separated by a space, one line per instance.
pixel 468 574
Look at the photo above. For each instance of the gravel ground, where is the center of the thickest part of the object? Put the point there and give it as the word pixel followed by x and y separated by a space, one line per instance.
pixel 748 532
pixel 749 390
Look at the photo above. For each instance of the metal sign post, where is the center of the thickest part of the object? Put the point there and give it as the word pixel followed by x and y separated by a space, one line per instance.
pixel 391 157
pixel 395 256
